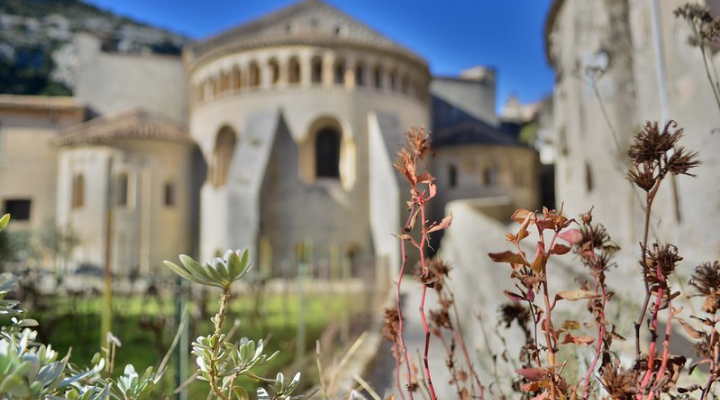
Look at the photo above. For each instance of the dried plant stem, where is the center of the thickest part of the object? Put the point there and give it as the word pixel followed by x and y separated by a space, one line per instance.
pixel 707 65
pixel 666 351
pixel 450 362
pixel 549 329
pixel 599 286
pixel 423 264
pixel 713 366
pixel 398 381
pixel 459 338
pixel 643 248
pixel 653 340
pixel 402 350
pixel 598 348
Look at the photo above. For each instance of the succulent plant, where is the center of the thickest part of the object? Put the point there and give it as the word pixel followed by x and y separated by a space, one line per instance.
pixel 219 272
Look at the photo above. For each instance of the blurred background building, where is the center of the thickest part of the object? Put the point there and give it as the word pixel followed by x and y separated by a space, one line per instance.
pixel 618 64
pixel 282 130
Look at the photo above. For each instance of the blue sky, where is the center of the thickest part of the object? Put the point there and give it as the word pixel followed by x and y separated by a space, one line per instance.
pixel 506 35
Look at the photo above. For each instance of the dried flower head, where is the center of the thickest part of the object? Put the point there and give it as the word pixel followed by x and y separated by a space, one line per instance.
pixel 620 383
pixel 706 280
pixel 441 318
pixel 434 275
pixel 392 323
pixel 655 153
pixel 514 311
pixel 665 258
pixel 705 27
pixel 415 151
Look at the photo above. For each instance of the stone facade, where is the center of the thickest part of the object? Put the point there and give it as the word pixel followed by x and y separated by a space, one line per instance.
pixel 28 158
pixel 635 83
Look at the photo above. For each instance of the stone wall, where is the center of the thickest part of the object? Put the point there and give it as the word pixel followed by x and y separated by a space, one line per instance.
pixel 114 82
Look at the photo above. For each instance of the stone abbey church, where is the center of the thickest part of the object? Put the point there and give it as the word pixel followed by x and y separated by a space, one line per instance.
pixel 281 131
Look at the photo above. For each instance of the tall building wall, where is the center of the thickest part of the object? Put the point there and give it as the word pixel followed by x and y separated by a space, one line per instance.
pixel 619 37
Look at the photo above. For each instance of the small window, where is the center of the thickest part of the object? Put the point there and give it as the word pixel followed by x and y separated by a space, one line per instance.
pixel 294 71
pixel 223 153
pixel 78 191
pixel 169 194
pixel 237 78
pixel 327 154
pixel 360 75
pixel 378 77
pixel 224 82
pixel 274 71
pixel 316 70
pixel 19 209
pixel 490 176
pixel 452 176
pixel 215 81
pixel 339 72
pixel 123 183
pixel 393 80
pixel 254 75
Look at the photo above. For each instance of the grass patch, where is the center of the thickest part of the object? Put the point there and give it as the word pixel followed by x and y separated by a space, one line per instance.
pixel 146 327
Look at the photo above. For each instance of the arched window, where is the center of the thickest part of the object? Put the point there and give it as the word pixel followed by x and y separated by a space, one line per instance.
pixel 405 84
pixel 222 156
pixel 378 77
pixel 224 82
pixel 327 153
pixel 254 75
pixel 294 71
pixel 360 74
pixel 316 66
pixel 452 176
pixel 216 86
pixel 237 78
pixel 78 191
pixel 274 71
pixel 123 192
pixel 339 72
pixel 490 175
pixel 393 80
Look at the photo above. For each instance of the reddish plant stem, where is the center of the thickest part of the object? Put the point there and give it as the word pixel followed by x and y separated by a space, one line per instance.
pixel 713 366
pixel 402 351
pixel 666 350
pixel 421 203
pixel 598 349
pixel 651 352
pixel 599 284
pixel 549 330
pixel 650 197
pixel 397 370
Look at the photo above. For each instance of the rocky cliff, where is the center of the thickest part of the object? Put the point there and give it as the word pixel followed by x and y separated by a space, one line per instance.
pixel 37 55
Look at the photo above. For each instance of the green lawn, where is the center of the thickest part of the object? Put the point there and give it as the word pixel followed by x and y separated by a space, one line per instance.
pixel 146 328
